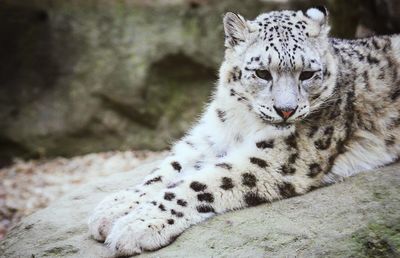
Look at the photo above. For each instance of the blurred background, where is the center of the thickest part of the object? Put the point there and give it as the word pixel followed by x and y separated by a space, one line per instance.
pixel 82 76
pixel 88 76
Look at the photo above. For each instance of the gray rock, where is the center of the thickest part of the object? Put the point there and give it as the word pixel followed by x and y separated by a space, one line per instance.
pixel 357 218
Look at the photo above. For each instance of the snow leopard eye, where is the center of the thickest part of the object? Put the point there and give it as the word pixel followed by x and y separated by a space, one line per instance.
pixel 306 75
pixel 264 74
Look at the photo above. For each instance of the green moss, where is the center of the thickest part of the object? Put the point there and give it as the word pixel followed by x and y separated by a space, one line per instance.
pixel 378 240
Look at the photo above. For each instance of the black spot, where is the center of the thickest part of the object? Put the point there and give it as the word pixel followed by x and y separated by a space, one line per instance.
pixel 332 159
pixel 161 207
pixel 197 186
pixel 206 197
pixel 169 196
pixel 287 190
pixel 204 208
pixel 329 131
pixel 177 213
pixel 372 60
pixel 312 131
pixel 181 202
pixel 291 141
pixel 153 180
pixel 170 221
pixel 395 94
pixel 322 144
pixel 259 162
pixel 253 199
pixel 265 144
pixel 227 183
pixel 176 166
pixel 315 169
pixel 221 115
pixel 293 158
pixel 287 170
pixel 224 165
pixel 249 180
pixel 154 203
pixel 390 141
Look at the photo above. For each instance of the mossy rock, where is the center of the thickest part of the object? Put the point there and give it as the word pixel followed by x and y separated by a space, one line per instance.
pixel 379 240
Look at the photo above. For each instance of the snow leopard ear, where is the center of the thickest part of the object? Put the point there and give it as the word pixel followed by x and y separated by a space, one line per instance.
pixel 319 14
pixel 236 29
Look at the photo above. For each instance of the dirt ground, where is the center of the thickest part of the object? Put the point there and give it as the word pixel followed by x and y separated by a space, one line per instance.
pixel 27 186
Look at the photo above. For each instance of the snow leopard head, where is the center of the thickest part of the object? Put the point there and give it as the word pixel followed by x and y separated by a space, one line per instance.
pixel 276 64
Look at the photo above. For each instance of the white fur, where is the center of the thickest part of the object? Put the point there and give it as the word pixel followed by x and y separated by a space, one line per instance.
pixel 367 153
pixel 316 15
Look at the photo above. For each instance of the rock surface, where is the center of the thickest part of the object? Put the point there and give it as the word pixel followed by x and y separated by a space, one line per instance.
pixel 357 218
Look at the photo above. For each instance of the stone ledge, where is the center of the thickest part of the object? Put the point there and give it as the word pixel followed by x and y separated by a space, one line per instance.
pixel 357 218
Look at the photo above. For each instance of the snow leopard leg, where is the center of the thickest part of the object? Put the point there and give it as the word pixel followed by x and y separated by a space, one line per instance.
pixel 121 203
pixel 217 188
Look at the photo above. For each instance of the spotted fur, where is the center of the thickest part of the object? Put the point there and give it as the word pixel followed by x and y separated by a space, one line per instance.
pixel 293 110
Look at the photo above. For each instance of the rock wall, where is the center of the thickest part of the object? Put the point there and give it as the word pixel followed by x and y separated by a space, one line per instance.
pixel 357 218
pixel 85 76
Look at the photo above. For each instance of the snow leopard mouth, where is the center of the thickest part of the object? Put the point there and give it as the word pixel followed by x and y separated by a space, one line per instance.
pixel 283 125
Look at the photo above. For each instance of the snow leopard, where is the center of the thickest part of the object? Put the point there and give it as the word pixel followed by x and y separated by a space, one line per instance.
pixel 293 110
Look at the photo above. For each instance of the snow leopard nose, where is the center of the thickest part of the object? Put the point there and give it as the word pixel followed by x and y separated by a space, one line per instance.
pixel 285 113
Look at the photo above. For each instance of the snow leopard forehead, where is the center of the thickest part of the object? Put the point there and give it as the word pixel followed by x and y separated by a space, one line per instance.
pixel 290 24
pixel 287 39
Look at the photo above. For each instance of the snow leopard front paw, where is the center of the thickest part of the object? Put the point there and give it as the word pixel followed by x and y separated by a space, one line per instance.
pixel 148 228
pixel 109 210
